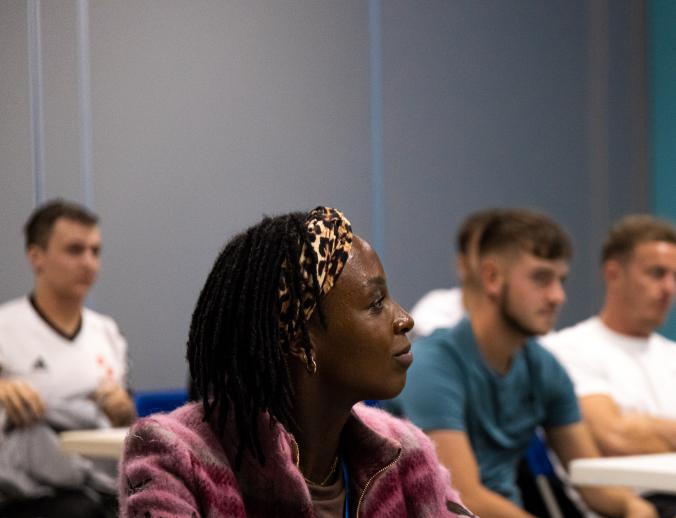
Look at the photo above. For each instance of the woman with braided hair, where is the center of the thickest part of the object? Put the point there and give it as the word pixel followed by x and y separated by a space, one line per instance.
pixel 292 329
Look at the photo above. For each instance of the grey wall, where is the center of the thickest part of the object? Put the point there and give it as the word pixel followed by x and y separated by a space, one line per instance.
pixel 495 103
pixel 205 115
pixel 16 180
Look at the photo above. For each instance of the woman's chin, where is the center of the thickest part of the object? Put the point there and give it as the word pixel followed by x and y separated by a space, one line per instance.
pixel 392 390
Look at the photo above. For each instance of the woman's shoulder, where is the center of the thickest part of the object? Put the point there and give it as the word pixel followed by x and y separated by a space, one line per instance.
pixel 181 430
pixel 189 416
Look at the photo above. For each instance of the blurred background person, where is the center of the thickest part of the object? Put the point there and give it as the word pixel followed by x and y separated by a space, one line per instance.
pixel 623 370
pixel 446 307
pixel 481 389
pixel 62 366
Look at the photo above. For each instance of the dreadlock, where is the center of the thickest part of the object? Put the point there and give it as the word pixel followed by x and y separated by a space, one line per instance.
pixel 236 351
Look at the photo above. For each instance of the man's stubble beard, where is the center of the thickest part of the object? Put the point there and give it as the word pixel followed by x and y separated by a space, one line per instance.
pixel 510 318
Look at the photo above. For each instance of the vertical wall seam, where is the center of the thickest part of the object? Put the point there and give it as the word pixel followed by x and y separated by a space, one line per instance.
pixel 84 103
pixel 36 99
pixel 598 42
pixel 638 103
pixel 85 112
pixel 376 113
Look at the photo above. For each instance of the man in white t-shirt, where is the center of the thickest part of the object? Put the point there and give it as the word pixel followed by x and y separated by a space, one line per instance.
pixel 623 371
pixel 54 352
pixel 441 308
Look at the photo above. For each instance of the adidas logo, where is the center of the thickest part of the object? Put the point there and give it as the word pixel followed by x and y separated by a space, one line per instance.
pixel 39 364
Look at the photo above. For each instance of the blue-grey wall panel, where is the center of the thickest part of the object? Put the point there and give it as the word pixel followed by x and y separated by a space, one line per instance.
pixel 206 116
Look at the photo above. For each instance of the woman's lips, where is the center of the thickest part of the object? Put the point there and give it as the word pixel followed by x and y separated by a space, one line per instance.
pixel 405 357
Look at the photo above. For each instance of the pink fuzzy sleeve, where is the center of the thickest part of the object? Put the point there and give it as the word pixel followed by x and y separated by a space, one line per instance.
pixel 154 475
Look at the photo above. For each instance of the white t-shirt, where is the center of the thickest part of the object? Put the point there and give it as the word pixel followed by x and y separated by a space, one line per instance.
pixel 639 374
pixel 57 367
pixel 437 309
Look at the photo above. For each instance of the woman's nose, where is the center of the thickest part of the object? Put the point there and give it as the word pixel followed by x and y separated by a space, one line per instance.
pixel 403 323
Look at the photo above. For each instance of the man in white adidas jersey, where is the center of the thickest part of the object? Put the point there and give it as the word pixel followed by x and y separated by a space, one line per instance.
pixel 624 372
pixel 53 350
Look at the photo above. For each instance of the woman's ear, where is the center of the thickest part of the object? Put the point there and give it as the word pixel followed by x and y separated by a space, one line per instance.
pixel 304 355
pixel 297 351
pixel 307 353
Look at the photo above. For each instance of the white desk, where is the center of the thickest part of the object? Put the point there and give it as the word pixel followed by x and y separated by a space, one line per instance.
pixel 656 472
pixel 103 443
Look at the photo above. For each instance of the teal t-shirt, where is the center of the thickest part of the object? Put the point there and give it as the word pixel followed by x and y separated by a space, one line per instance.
pixel 449 386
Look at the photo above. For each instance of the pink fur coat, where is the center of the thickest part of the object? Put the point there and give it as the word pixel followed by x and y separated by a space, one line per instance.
pixel 174 465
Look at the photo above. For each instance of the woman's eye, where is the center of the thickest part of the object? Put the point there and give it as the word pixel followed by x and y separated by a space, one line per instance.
pixel 378 304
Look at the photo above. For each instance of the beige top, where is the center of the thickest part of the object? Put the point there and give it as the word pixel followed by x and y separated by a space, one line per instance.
pixel 328 500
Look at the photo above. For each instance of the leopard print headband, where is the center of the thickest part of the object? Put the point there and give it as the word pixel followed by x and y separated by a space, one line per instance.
pixel 330 237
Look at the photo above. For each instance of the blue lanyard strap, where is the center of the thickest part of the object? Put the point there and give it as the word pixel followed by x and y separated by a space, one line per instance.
pixel 346 485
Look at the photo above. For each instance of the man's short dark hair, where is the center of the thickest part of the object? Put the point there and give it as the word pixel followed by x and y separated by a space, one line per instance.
pixel 528 231
pixel 633 230
pixel 472 226
pixel 39 226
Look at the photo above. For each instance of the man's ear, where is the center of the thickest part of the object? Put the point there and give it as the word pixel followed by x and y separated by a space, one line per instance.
pixel 35 255
pixel 461 268
pixel 612 270
pixel 490 274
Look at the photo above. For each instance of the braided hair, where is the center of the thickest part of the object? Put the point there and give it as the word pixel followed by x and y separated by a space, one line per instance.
pixel 236 349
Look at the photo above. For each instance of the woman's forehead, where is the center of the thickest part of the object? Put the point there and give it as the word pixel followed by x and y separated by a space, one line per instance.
pixel 363 266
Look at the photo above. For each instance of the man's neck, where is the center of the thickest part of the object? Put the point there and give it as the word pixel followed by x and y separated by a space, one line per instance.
pixel 65 314
pixel 497 341
pixel 469 298
pixel 622 324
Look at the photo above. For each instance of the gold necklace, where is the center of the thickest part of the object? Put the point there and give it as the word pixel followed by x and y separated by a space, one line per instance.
pixel 328 477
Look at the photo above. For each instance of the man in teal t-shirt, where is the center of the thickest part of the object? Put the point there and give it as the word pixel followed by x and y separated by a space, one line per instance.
pixel 498 413
pixel 481 389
